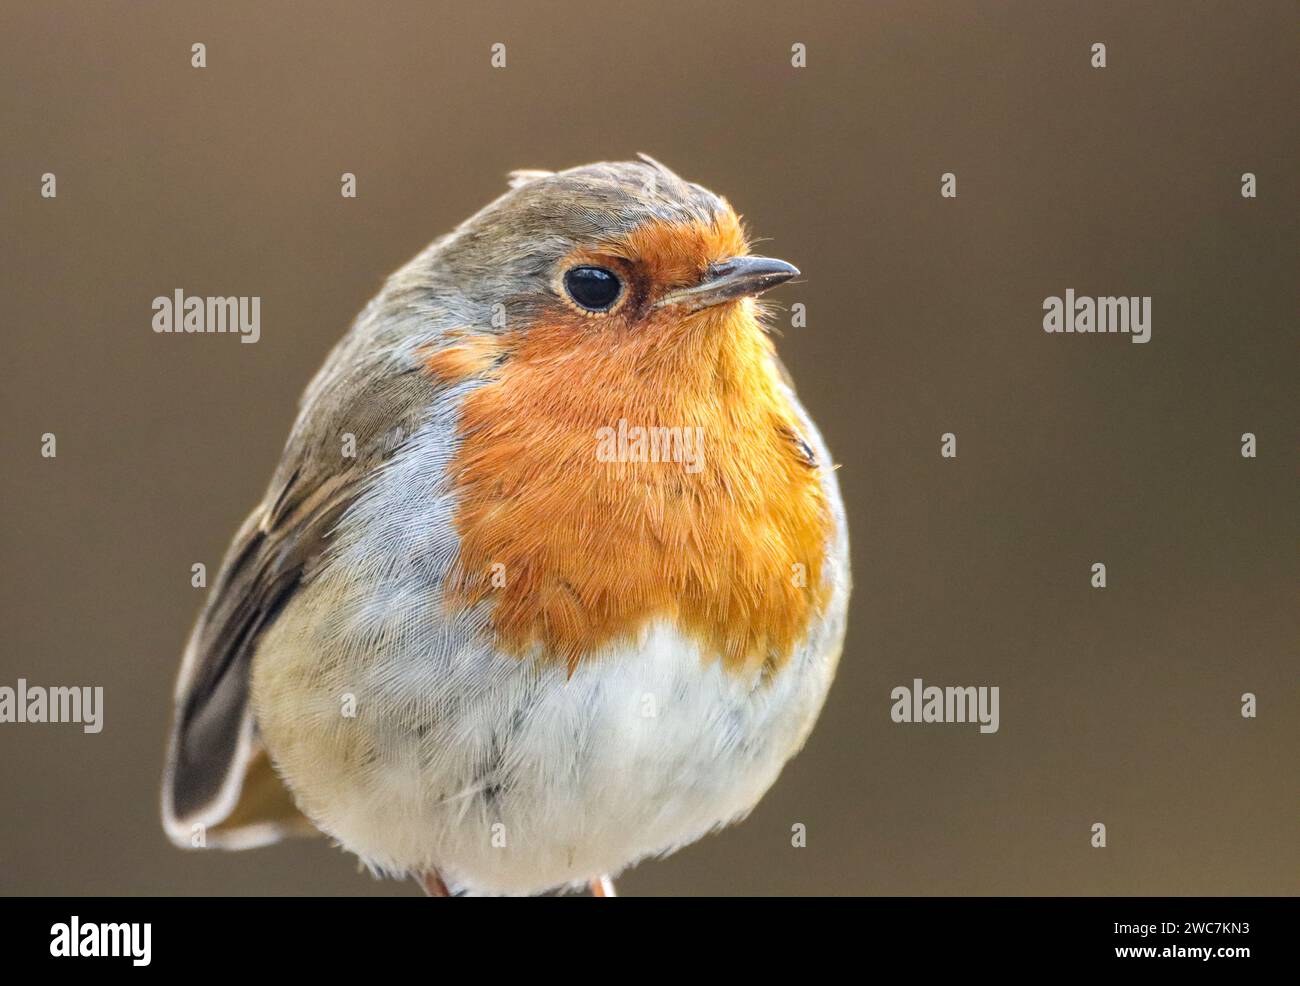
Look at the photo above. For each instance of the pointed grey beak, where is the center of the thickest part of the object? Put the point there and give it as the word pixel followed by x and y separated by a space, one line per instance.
pixel 736 277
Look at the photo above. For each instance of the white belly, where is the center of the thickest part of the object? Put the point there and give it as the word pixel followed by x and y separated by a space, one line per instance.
pixel 507 779
pixel 506 776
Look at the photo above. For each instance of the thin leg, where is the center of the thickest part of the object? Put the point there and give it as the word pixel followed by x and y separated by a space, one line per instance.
pixel 602 886
pixel 432 884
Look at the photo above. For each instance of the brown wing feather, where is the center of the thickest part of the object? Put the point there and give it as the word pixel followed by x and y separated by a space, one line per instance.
pixel 217 774
pixel 214 738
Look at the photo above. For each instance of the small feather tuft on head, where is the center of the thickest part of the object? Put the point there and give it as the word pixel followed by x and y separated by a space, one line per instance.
pixel 525 175
pixel 657 165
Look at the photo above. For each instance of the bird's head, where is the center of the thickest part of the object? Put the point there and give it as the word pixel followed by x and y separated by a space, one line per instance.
pixel 617 248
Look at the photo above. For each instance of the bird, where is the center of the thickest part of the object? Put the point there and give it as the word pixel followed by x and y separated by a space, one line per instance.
pixel 552 575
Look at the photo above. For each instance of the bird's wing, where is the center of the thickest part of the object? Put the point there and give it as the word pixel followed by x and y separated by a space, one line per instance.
pixel 218 782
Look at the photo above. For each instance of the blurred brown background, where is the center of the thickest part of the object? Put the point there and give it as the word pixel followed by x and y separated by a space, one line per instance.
pixel 924 316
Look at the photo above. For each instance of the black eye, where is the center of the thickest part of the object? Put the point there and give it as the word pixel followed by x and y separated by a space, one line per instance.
pixel 594 288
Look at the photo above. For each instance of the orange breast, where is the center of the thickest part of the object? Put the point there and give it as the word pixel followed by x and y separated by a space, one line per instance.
pixel 726 537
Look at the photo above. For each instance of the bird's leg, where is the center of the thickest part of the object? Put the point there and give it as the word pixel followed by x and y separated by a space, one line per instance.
pixel 431 883
pixel 602 886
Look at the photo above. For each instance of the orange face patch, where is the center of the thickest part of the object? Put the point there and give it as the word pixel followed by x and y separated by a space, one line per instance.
pixel 612 473
pixel 674 254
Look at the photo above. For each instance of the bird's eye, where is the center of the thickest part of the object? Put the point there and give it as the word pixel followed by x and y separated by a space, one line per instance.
pixel 593 288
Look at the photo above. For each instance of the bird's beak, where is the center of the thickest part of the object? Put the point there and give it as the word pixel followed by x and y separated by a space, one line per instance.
pixel 736 277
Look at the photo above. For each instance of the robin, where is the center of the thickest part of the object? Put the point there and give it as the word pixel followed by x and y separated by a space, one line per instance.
pixel 552 575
